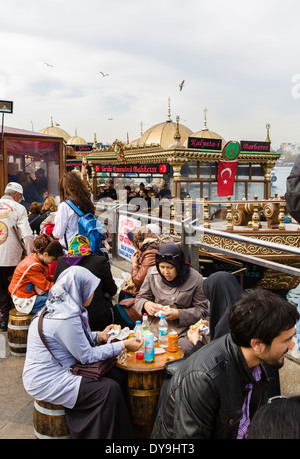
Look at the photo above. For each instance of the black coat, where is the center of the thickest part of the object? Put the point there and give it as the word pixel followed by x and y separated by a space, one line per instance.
pixel 100 309
pixel 206 394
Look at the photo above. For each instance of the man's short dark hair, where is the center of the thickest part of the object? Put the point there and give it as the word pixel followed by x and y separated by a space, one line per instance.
pixel 260 314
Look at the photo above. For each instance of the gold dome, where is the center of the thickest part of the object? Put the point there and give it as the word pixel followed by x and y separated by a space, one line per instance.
pixel 76 140
pixel 163 134
pixel 55 131
pixel 205 133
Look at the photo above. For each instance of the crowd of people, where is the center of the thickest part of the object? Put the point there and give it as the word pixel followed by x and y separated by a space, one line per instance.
pixel 226 386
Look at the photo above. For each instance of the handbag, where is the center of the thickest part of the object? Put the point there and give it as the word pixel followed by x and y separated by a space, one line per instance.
pixel 93 370
pixel 128 305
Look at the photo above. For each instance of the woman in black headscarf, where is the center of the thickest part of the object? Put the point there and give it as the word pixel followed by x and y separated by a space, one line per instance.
pixel 174 283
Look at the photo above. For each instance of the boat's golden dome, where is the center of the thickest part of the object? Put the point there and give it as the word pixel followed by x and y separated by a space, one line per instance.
pixel 76 140
pixel 55 131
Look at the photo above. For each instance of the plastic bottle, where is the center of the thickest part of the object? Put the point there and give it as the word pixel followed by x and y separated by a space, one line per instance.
pixel 145 324
pixel 149 347
pixel 34 234
pixel 162 332
pixel 138 333
pixel 138 330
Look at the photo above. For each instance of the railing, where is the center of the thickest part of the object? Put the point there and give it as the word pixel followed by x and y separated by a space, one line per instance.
pixel 189 234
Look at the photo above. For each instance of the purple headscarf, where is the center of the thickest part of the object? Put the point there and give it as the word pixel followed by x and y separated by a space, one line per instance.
pixel 73 287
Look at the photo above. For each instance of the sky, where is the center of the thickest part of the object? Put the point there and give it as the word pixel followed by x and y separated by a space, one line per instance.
pixel 240 60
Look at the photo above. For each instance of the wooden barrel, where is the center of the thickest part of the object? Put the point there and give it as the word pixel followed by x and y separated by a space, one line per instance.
pixel 17 331
pixel 49 421
pixel 144 391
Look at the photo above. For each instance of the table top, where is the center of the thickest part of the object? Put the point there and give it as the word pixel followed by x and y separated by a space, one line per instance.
pixel 133 364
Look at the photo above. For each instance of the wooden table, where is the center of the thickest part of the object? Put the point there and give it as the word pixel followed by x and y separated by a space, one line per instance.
pixel 144 383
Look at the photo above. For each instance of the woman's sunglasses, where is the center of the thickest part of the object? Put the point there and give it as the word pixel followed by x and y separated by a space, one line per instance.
pixel 166 257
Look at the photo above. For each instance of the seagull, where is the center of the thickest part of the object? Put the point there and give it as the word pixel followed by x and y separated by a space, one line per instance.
pixel 104 74
pixel 49 65
pixel 110 119
pixel 181 85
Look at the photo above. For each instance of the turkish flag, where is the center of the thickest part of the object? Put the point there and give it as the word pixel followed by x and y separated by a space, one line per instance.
pixel 226 176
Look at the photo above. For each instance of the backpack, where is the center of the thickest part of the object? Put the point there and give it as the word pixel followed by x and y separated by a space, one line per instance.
pixel 90 227
pixel 292 195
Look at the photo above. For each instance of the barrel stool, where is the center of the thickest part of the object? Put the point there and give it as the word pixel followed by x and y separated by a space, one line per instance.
pixel 17 331
pixel 49 421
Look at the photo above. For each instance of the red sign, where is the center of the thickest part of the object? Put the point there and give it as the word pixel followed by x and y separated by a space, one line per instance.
pixel 133 168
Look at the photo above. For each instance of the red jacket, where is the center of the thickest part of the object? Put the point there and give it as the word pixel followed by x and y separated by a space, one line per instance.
pixel 37 275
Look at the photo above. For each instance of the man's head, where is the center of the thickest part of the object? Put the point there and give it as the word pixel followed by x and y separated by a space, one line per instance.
pixel 264 323
pixel 15 190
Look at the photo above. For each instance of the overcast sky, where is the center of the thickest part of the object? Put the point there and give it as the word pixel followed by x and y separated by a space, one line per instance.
pixel 239 59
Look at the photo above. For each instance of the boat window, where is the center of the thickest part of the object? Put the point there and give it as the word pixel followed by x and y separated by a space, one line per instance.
pixel 255 189
pixel 207 170
pixel 242 172
pixel 189 170
pixel 257 172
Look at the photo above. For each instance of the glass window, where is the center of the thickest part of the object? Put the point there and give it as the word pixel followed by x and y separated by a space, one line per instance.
pixel 189 170
pixel 255 189
pixel 207 171
pixel 257 172
pixel 239 190
pixel 34 164
pixel 242 172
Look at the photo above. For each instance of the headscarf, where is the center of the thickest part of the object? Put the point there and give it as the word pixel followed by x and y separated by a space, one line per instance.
pixel 78 249
pixel 73 287
pixel 172 254
pixel 144 237
pixel 222 290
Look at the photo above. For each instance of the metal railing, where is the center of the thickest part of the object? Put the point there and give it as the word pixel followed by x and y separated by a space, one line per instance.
pixel 190 237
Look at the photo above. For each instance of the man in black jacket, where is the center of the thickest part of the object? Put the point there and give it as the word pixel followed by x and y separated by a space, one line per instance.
pixel 215 392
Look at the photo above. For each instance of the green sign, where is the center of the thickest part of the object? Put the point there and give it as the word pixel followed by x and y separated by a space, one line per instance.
pixel 231 150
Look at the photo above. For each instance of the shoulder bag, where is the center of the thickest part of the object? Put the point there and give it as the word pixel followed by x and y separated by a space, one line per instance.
pixel 91 370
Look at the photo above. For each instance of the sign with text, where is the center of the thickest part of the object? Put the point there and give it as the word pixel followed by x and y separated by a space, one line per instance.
pixel 126 224
pixel 133 168
pixel 205 144
pixel 250 146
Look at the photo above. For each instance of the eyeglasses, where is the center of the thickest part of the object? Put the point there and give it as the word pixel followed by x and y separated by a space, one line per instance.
pixel 166 257
pixel 276 397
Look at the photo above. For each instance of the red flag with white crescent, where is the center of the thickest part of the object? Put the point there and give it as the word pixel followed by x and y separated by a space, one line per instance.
pixel 226 176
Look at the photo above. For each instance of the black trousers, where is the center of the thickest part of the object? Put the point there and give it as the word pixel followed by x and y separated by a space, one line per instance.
pixel 6 273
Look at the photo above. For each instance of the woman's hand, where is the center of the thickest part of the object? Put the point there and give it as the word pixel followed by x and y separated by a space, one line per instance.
pixel 133 344
pixel 103 336
pixel 172 314
pixel 129 288
pixel 135 258
pixel 151 307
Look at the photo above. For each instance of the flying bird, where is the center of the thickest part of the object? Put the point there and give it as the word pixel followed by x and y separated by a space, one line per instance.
pixel 110 119
pixel 104 74
pixel 48 65
pixel 181 85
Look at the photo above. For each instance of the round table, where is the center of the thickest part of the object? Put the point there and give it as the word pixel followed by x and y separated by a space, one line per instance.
pixel 144 383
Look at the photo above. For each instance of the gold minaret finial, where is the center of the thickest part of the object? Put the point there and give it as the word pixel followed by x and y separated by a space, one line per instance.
pixel 205 128
pixel 141 128
pixel 95 142
pixel 177 135
pixel 169 110
pixel 268 132
pixel 51 121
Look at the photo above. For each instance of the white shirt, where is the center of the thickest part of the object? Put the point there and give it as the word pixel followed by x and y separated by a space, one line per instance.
pixel 13 214
pixel 66 223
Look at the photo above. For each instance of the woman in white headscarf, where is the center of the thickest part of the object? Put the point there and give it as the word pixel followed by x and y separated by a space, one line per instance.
pixel 94 409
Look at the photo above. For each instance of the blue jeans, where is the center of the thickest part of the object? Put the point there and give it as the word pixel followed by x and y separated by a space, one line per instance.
pixel 39 303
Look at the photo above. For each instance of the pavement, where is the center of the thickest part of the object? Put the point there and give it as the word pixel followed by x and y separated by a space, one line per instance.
pixel 16 406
